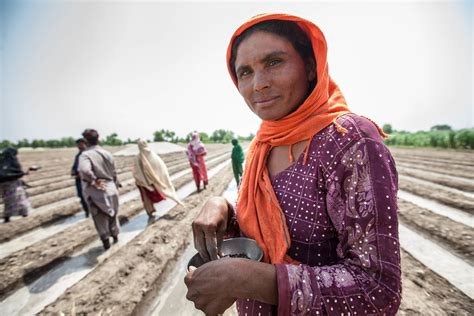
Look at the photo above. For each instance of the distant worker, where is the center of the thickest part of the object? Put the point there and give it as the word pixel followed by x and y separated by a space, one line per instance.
pixel 238 158
pixel 196 152
pixel 152 178
pixel 100 187
pixel 12 188
pixel 81 146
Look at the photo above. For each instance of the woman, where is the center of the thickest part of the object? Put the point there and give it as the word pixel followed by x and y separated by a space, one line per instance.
pixel 326 222
pixel 152 178
pixel 11 187
pixel 196 152
pixel 238 158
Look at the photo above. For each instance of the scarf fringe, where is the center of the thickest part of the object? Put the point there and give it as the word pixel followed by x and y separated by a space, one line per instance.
pixel 341 129
pixel 307 150
pixel 292 159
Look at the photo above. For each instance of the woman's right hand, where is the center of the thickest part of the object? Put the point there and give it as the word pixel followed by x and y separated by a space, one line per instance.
pixel 210 226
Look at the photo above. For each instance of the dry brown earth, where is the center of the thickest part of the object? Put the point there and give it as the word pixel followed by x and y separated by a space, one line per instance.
pixel 452 235
pixel 118 285
pixel 133 269
pixel 426 293
pixel 451 155
pixel 21 266
pixel 449 181
pixel 434 193
pixel 15 228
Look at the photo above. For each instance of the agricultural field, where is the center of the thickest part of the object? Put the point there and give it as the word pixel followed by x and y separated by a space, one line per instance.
pixel 53 262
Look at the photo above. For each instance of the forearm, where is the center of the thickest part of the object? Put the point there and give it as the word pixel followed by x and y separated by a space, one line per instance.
pixel 255 280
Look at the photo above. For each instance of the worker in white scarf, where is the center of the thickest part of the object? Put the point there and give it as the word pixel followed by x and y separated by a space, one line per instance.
pixel 152 178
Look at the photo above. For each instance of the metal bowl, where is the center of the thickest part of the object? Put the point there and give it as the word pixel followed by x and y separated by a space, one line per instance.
pixel 233 246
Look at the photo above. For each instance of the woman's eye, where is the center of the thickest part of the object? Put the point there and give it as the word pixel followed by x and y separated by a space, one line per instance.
pixel 244 73
pixel 274 62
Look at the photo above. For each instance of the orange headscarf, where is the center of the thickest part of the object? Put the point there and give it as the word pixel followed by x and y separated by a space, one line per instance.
pixel 259 214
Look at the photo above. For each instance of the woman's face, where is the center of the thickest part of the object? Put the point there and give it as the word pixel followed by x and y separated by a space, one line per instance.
pixel 271 75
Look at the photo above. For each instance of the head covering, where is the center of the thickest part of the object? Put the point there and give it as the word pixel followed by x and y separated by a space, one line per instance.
pixel 259 214
pixel 195 147
pixel 151 173
pixel 10 168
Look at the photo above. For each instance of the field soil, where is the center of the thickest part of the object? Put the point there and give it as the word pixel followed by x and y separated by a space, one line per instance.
pixel 132 270
pixel 127 277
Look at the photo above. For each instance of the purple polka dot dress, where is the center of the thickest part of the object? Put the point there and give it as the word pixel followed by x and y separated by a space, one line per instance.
pixel 340 210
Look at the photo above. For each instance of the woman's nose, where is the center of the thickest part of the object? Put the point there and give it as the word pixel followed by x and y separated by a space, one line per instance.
pixel 260 81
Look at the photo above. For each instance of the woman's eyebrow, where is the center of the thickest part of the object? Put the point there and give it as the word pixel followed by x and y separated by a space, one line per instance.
pixel 271 55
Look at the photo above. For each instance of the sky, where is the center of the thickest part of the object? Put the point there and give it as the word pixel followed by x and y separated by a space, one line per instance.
pixel 134 67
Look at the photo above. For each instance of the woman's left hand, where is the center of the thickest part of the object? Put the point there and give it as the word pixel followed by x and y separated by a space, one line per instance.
pixel 209 286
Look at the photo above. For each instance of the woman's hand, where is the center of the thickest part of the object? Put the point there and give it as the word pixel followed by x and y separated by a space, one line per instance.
pixel 216 285
pixel 209 228
pixel 208 286
pixel 99 184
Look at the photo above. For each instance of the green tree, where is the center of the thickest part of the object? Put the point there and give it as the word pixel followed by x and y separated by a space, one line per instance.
pixel 222 136
pixel 464 138
pixel 165 135
pixel 387 128
pixel 23 143
pixel 68 142
pixel 53 143
pixel 112 140
pixel 204 137
pixel 38 143
pixel 441 127
pixel 6 143
pixel 158 136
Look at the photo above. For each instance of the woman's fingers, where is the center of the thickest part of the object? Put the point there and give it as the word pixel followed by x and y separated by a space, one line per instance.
pixel 209 228
pixel 211 244
pixel 200 243
pixel 220 238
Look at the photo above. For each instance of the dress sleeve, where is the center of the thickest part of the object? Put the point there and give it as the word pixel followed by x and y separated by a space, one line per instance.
pixel 85 169
pixel 361 199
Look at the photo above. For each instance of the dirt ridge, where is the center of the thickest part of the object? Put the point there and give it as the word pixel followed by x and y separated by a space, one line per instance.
pixel 454 236
pixel 16 228
pixel 21 266
pixel 120 284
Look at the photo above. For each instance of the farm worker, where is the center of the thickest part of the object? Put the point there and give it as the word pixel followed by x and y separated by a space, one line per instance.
pixel 99 180
pixel 196 152
pixel 81 146
pixel 11 187
pixel 318 194
pixel 238 158
pixel 152 178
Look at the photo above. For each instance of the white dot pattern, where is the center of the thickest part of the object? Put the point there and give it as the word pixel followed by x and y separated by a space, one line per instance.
pixel 343 228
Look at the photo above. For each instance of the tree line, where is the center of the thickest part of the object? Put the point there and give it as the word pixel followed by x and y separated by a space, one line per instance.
pixel 218 136
pixel 442 136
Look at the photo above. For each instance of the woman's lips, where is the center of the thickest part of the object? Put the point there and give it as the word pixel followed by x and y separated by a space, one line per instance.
pixel 266 101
